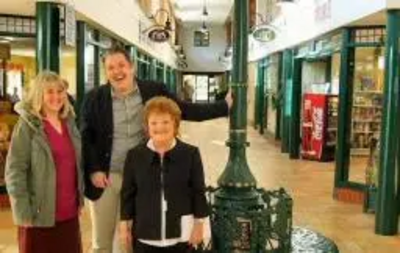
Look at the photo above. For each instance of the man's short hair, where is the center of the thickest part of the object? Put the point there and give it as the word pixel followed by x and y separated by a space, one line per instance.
pixel 117 50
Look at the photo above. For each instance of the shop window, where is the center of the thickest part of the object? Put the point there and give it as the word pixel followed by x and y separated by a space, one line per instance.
pixel 369 35
pixel 89 70
pixel 11 24
pixel 368 82
pixel 201 39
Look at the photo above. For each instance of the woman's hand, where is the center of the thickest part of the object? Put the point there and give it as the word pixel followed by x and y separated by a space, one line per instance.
pixel 197 233
pixel 125 233
pixel 27 225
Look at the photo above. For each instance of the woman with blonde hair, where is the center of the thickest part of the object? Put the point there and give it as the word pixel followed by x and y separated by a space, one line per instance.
pixel 43 175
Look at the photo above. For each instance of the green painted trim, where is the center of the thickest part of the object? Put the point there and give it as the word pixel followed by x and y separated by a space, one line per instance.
pixel 80 63
pixel 4 15
pixel 366 44
pixel 294 136
pixel 365 27
pixel 387 218
pixel 4 66
pixel 97 60
pixel 352 185
pixel 47 36
pixel 328 70
pixel 345 107
pixel 18 35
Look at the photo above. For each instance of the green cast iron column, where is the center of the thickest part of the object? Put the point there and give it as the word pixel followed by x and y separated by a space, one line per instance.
pixel 80 63
pixel 256 96
pixel 4 66
pixel 153 70
pixel 278 99
pixel 237 174
pixel 287 97
pixel 261 96
pixel 294 135
pixel 386 209
pixel 345 102
pixel 47 36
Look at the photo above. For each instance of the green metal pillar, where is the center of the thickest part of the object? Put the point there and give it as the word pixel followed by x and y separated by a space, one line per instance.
pixel 242 216
pixel 257 97
pixel 173 80
pixel 132 51
pixel 386 209
pixel 294 134
pixel 237 174
pixel 153 70
pixel 47 36
pixel 345 106
pixel 263 99
pixel 165 77
pixel 278 98
pixel 81 29
pixel 287 97
pixel 237 184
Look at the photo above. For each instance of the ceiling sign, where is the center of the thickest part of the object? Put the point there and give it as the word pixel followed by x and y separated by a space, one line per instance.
pixel 70 26
pixel 264 33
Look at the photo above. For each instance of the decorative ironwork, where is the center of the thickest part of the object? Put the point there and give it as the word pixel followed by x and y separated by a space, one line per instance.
pixel 263 228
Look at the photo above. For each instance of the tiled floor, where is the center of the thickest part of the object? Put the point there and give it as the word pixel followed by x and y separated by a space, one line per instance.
pixel 309 183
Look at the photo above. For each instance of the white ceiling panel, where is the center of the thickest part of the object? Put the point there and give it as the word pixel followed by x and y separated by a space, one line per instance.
pixel 190 11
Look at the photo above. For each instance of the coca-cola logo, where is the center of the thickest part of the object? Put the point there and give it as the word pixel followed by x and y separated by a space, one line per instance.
pixel 318 117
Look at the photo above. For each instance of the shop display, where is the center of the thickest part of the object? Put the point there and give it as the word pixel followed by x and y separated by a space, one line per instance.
pixel 7 123
pixel 319 127
pixel 366 120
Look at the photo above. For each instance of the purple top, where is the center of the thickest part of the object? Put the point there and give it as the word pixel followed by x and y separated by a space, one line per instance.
pixel 65 162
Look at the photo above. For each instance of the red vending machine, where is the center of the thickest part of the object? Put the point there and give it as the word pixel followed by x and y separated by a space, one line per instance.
pixel 319 126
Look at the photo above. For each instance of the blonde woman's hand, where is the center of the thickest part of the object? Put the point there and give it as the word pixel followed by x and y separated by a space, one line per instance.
pixel 99 179
pixel 197 234
pixel 27 224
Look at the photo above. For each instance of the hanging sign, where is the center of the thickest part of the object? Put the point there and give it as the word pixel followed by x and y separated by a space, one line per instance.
pixel 70 25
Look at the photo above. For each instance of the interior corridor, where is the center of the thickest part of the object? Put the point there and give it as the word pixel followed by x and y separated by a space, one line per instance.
pixel 309 183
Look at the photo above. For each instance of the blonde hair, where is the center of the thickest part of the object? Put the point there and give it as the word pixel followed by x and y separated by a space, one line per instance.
pixel 163 105
pixel 34 97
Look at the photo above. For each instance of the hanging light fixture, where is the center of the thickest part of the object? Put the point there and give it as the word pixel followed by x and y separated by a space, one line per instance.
pixel 159 32
pixel 205 12
pixel 204 27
